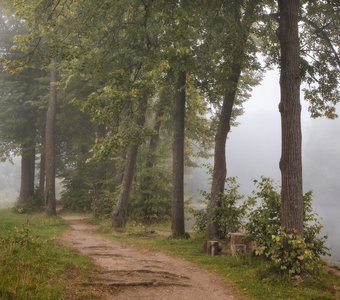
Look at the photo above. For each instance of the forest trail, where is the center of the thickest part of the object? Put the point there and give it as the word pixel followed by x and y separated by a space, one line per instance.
pixel 131 273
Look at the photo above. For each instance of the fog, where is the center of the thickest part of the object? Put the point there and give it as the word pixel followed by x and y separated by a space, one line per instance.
pixel 9 183
pixel 253 150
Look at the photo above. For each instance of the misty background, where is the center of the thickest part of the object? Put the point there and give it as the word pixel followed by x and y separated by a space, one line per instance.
pixel 253 150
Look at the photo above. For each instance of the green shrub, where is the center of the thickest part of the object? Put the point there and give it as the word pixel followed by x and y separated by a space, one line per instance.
pixel 229 213
pixel 33 204
pixel 102 209
pixel 151 196
pixel 291 253
pixel 20 238
pixel 288 252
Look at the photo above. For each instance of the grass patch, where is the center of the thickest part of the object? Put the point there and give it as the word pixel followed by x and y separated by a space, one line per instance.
pixel 34 266
pixel 250 275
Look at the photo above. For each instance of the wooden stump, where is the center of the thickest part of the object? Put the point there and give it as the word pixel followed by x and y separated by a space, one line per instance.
pixel 239 244
pixel 212 247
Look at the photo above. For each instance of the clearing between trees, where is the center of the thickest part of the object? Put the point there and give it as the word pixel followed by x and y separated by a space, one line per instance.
pixel 131 273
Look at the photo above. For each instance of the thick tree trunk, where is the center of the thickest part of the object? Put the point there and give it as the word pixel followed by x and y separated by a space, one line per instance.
pixel 27 173
pixel 50 199
pixel 290 109
pixel 120 214
pixel 28 162
pixel 177 220
pixel 25 178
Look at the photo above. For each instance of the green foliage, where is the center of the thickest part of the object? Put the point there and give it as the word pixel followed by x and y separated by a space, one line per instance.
pixel 102 208
pixel 77 194
pixel 20 238
pixel 229 213
pixel 33 204
pixel 291 253
pixel 288 252
pixel 320 61
pixel 151 197
pixel 86 189
pixel 264 218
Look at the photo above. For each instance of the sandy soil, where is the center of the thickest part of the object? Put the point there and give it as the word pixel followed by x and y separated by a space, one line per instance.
pixel 131 273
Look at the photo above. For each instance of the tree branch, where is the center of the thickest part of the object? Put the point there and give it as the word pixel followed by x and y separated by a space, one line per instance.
pixel 323 35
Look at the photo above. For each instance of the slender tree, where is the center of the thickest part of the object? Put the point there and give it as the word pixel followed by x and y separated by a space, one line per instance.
pixel 41 186
pixel 237 60
pixel 146 191
pixel 50 168
pixel 177 224
pixel 120 213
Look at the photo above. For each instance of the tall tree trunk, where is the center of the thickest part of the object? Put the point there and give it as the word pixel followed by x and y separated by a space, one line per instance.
pixel 97 198
pixel 177 221
pixel 41 188
pixel 50 199
pixel 220 165
pixel 98 184
pixel 27 173
pixel 146 181
pixel 120 215
pixel 290 109
pixel 28 163
pixel 32 168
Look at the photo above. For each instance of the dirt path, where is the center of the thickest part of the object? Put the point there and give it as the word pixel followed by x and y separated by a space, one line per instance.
pixel 132 273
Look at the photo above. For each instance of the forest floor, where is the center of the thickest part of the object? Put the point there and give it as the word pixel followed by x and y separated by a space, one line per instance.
pixel 133 273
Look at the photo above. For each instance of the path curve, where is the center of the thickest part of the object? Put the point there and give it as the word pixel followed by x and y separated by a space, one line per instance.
pixel 133 273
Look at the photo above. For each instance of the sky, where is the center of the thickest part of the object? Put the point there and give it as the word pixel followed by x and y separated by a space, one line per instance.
pixel 253 150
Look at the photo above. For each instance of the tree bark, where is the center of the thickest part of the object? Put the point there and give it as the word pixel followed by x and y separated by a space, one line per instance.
pixel 50 199
pixel 28 161
pixel 120 215
pixel 146 181
pixel 32 168
pixel 177 220
pixel 98 184
pixel 27 173
pixel 41 188
pixel 220 165
pixel 290 109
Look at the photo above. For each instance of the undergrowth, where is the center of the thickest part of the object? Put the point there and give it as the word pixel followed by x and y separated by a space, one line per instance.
pixel 34 266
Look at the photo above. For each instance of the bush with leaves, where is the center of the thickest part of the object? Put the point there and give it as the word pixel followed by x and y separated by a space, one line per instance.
pixel 229 213
pixel 151 196
pixel 20 238
pixel 33 204
pixel 289 252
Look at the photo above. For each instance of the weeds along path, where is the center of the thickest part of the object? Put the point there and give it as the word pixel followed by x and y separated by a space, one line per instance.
pixel 131 273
